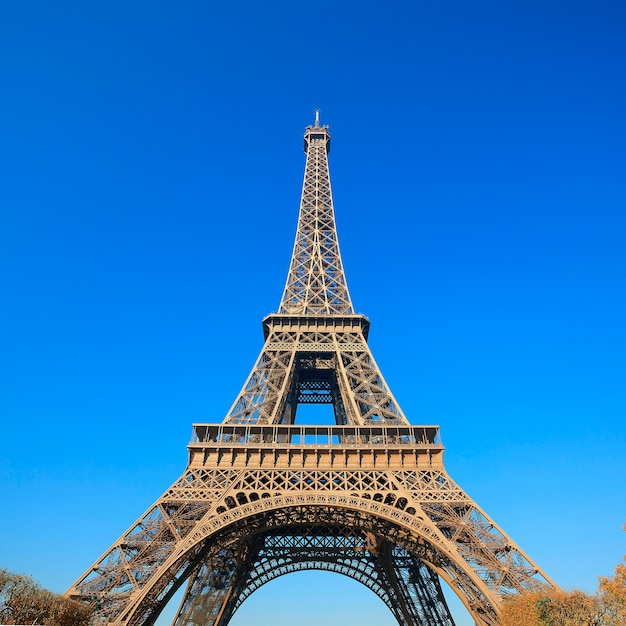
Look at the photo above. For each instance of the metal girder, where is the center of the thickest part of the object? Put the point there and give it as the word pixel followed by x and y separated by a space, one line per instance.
pixel 359 392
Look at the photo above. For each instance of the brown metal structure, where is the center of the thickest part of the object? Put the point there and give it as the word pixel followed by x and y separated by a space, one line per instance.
pixel 263 496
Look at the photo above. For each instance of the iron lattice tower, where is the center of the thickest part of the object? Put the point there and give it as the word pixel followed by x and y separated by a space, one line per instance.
pixel 263 496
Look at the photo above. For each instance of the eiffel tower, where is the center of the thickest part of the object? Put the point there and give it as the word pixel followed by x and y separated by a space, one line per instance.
pixel 263 496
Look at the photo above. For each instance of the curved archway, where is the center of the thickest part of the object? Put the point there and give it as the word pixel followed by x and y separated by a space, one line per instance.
pixel 411 590
pixel 199 601
pixel 410 532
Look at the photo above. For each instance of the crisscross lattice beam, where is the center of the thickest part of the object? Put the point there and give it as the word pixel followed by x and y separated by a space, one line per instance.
pixel 316 284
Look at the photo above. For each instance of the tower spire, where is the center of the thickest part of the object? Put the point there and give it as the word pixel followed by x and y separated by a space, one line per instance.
pixel 316 284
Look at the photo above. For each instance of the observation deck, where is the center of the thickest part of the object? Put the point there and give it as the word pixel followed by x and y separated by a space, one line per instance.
pixel 317 133
pixel 312 323
pixel 313 446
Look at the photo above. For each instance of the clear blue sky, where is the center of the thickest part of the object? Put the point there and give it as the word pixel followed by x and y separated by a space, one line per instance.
pixel 150 171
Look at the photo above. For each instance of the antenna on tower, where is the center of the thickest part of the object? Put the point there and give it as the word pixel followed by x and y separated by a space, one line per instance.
pixel 317 118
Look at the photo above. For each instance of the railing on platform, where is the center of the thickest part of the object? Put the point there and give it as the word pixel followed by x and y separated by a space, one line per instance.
pixel 314 435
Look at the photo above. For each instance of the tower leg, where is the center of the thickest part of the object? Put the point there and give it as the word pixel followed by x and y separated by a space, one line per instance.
pixel 421 598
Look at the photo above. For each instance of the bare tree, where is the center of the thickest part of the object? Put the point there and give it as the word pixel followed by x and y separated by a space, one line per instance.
pixel 23 601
